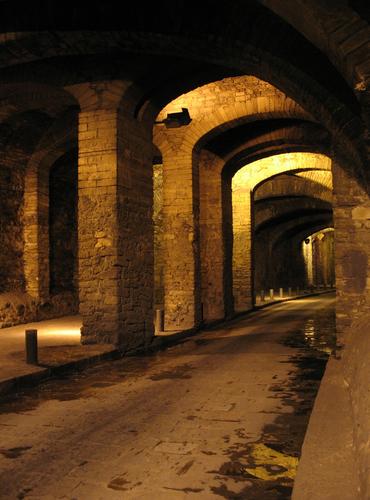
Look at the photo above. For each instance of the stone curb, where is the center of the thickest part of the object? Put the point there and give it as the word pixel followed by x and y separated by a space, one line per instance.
pixel 15 384
pixel 321 459
pixel 296 297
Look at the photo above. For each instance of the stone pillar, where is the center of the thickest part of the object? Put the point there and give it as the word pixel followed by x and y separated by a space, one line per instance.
pixel 182 305
pixel 36 232
pixel 159 262
pixel 351 210
pixel 227 230
pixel 211 236
pixel 115 227
pixel 242 249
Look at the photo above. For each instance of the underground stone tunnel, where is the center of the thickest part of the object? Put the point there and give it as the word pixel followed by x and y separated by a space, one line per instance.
pixel 115 210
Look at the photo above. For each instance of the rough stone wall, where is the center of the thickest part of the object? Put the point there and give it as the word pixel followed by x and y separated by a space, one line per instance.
pixel 242 249
pixel 98 226
pixel 288 265
pixel 356 378
pixel 278 257
pixel 323 272
pixel 263 262
pixel 211 236
pixel 352 248
pixel 288 185
pixel 159 263
pixel 227 229
pixel 115 225
pixel 36 231
pixel 280 266
pixel 11 229
pixel 56 141
pixel 17 307
pixel 231 98
pixel 181 239
pixel 351 211
pixel 216 106
pixel 276 210
pixel 244 183
pixel 135 230
pixel 63 224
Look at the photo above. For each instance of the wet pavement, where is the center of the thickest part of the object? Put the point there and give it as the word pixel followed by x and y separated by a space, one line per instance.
pixel 220 415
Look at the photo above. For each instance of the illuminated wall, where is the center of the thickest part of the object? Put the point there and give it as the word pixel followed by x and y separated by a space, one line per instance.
pixel 158 235
pixel 318 252
pixel 244 183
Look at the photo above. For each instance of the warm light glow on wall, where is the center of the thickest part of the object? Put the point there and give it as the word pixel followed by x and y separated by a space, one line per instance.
pixel 320 270
pixel 203 97
pixel 248 177
pixel 243 184
pixel 322 177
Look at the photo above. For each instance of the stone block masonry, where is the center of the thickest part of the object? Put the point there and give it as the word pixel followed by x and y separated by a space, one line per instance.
pixel 211 236
pixel 115 224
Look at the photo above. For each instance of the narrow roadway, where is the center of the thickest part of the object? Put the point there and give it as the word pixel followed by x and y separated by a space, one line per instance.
pixel 220 415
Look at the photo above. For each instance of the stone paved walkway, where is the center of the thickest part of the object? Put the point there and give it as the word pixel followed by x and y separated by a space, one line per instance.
pixel 220 415
pixel 58 340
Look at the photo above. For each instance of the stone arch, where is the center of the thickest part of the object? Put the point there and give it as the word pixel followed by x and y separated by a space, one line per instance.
pixel 318 253
pixel 15 155
pixel 244 183
pixel 62 225
pixel 59 139
pixel 215 108
pixel 218 107
pixel 252 54
pixel 339 31
pixel 30 97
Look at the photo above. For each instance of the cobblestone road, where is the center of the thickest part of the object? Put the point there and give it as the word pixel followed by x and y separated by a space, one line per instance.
pixel 220 415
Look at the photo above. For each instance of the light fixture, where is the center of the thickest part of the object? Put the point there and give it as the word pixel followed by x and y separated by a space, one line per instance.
pixel 176 120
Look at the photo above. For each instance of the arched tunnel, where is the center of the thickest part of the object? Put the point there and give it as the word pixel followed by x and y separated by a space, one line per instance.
pixel 185 201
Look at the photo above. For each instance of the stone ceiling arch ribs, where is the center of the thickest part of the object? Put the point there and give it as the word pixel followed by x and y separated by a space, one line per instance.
pixel 270 167
pixel 250 59
pixel 284 185
pixel 339 33
pixel 221 117
pixel 20 98
pixel 303 233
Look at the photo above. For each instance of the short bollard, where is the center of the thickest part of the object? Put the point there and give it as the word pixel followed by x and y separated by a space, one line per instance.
pixel 31 347
pixel 262 295
pixel 281 292
pixel 271 294
pixel 159 320
pixel 290 291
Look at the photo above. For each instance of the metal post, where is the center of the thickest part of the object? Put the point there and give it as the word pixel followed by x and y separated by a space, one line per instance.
pixel 31 347
pixel 290 291
pixel 271 294
pixel 262 295
pixel 159 320
pixel 297 288
pixel 281 292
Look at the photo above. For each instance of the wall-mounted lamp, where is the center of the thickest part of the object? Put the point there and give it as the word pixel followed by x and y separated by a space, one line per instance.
pixel 175 120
